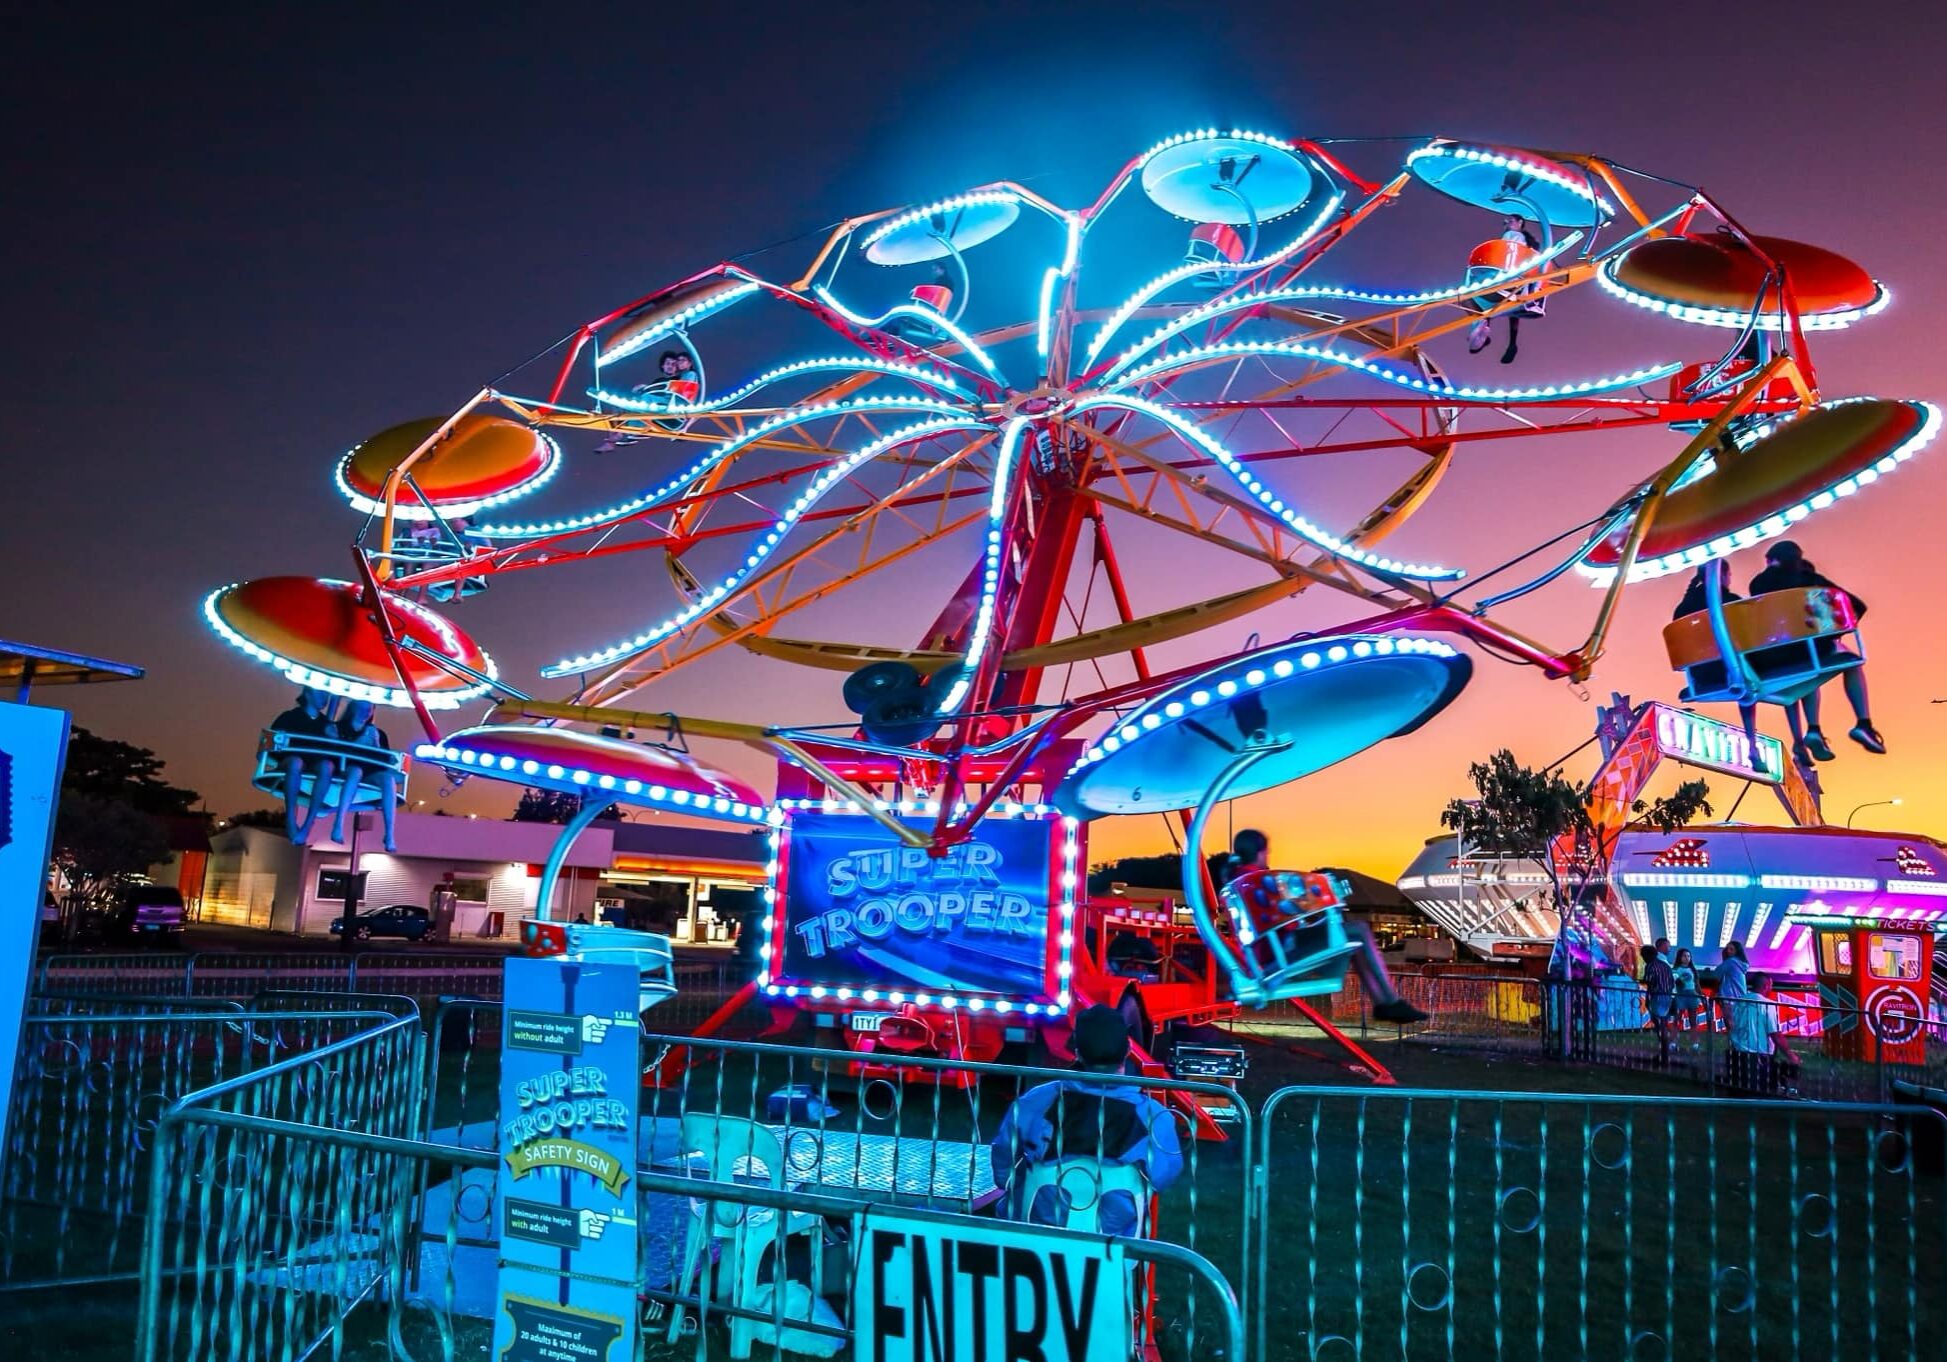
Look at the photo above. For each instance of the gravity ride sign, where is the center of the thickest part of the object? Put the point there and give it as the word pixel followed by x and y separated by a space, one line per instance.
pixel 570 1074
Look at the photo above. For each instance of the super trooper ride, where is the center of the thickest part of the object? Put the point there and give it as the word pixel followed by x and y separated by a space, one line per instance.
pixel 1007 430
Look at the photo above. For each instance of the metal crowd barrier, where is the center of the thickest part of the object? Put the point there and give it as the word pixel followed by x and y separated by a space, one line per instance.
pixel 241 975
pixel 282 1289
pixel 1609 1024
pixel 260 1227
pixel 920 1132
pixel 89 1093
pixel 1424 1225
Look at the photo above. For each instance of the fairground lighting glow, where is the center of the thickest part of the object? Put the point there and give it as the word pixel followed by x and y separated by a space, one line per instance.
pixel 944 206
pixel 1265 497
pixel 1771 526
pixel 932 378
pixel 1191 269
pixel 459 755
pixel 1242 301
pixel 931 316
pixel 1244 675
pixel 996 549
pixel 1500 159
pixel 1326 354
pixel 409 507
pixel 1210 135
pixel 1067 267
pixel 1069 879
pixel 679 484
pixel 714 596
pixel 673 323
pixel 331 682
pixel 1769 319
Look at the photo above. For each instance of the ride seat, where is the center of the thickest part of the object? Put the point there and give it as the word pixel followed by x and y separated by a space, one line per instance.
pixel 1493 258
pixel 1790 640
pixel 276 746
pixel 1216 245
pixel 1291 938
pixel 936 296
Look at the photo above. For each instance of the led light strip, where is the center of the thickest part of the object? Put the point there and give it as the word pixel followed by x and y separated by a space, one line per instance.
pixel 990 582
pixel 1331 543
pixel 1672 881
pixel 1546 174
pixel 1247 675
pixel 649 500
pixel 931 316
pixel 1774 525
pixel 673 323
pixel 958 201
pixel 1240 302
pixel 1328 355
pixel 831 364
pixel 1189 270
pixel 1767 319
pixel 1928 888
pixel 1045 315
pixel 1210 134
pixel 715 595
pixel 305 675
pixel 1820 884
pixel 414 509
pixel 467 760
pixel 1069 879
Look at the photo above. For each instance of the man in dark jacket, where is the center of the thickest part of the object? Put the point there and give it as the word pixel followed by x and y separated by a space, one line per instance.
pixel 1786 569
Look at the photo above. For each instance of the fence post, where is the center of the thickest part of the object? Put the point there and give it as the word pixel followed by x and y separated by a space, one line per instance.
pixel 189 974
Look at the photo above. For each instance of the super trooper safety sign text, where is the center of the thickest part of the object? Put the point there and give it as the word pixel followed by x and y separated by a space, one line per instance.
pixel 568 1101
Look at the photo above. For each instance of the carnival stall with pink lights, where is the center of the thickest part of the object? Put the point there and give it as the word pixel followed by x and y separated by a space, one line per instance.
pixel 1168 363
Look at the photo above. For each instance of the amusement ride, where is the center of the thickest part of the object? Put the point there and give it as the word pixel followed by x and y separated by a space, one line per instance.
pixel 1182 398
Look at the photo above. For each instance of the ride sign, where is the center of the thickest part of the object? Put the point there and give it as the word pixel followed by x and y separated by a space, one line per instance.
pixel 965 1291
pixel 1718 746
pixel 33 745
pixel 569 1087
pixel 858 908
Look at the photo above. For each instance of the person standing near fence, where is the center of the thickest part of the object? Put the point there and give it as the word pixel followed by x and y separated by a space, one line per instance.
pixel 1731 973
pixel 1759 1051
pixel 1689 1002
pixel 1659 996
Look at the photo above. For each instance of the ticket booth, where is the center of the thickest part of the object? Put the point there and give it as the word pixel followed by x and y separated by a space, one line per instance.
pixel 1883 968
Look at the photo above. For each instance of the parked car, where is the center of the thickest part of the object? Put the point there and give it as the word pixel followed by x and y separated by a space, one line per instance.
pixel 149 913
pixel 408 920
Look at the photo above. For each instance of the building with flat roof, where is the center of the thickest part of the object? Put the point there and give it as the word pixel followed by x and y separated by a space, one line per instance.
pixel 695 883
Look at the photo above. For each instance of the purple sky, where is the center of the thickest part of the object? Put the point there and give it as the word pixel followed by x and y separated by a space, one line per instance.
pixel 235 249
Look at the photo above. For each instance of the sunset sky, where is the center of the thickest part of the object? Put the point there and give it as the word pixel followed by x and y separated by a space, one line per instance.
pixel 235 251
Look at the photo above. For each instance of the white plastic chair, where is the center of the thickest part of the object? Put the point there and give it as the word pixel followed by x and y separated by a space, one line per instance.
pixel 735 1150
pixel 1082 1182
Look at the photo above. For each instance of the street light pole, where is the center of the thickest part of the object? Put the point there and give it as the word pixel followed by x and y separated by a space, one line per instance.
pixel 1872 804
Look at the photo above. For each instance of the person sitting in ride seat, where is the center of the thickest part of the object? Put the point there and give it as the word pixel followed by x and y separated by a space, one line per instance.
pixel 1786 569
pixel 1517 235
pixel 1695 601
pixel 356 727
pixel 310 717
pixel 1103 1121
pixel 1247 871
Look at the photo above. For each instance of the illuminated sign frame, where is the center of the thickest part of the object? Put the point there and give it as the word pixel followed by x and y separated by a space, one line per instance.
pixel 1714 745
pixel 1065 870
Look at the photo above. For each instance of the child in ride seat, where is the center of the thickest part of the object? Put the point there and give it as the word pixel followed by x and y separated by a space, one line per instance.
pixel 1246 872
pixel 1515 232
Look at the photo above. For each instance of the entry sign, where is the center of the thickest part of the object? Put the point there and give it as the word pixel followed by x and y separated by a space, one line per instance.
pixel 570 1075
pixel 931 1292
pixel 33 744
